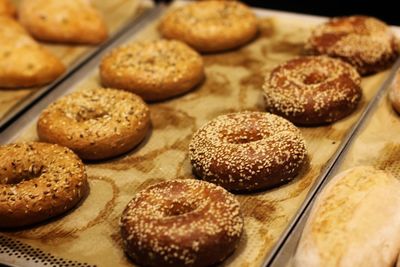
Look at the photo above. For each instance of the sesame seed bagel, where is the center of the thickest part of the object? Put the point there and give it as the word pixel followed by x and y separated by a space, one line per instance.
pixel 312 90
pixel 96 123
pixel 38 181
pixel 211 26
pixel 395 93
pixel 365 42
pixel 181 223
pixel 155 70
pixel 247 151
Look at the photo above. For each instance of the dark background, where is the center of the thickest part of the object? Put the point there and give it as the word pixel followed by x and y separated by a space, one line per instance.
pixel 383 9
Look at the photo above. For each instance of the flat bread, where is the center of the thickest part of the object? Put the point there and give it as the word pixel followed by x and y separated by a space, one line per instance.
pixel 63 21
pixel 23 62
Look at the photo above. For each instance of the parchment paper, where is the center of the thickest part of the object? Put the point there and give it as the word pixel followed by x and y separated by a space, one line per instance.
pixel 90 233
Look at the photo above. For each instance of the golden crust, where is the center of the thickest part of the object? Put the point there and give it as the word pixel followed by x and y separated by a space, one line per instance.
pixel 365 42
pixel 63 21
pixel 211 26
pixel 247 151
pixel 312 90
pixel 38 181
pixel 7 8
pixel 23 62
pixel 354 222
pixel 181 223
pixel 155 70
pixel 96 123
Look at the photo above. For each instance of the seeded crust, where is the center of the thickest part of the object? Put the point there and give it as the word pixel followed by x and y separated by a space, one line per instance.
pixel 7 8
pixel 63 21
pixel 181 223
pixel 395 93
pixel 365 42
pixel 155 70
pixel 23 62
pixel 38 181
pixel 312 90
pixel 211 26
pixel 247 151
pixel 96 123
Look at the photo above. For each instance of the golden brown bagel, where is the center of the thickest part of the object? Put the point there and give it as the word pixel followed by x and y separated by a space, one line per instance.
pixel 211 26
pixel 38 181
pixel 155 70
pixel 96 123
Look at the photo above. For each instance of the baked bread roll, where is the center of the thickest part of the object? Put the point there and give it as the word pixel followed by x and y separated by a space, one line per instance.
pixel 63 21
pixel 23 62
pixel 7 8
pixel 355 221
pixel 154 70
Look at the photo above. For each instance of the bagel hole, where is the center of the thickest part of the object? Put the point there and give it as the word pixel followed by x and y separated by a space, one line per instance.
pixel 179 208
pixel 315 78
pixel 243 136
pixel 85 114
pixel 28 174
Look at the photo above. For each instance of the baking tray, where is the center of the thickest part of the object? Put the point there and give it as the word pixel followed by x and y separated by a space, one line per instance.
pixel 373 141
pixel 233 83
pixel 117 15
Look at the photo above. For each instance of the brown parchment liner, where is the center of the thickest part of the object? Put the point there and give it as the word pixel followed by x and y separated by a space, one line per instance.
pixel 90 233
pixel 116 14
pixel 378 142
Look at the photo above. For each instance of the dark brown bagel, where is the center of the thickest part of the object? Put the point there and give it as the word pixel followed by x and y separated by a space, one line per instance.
pixel 312 90
pixel 365 42
pixel 38 181
pixel 96 123
pixel 181 223
pixel 247 151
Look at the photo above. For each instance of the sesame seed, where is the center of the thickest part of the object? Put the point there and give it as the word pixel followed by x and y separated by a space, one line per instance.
pixel 247 150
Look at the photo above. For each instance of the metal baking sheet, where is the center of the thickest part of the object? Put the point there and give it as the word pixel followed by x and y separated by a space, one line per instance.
pixel 117 15
pixel 360 149
pixel 233 83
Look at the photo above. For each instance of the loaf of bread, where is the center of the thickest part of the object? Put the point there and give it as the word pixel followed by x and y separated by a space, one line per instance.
pixel 355 221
